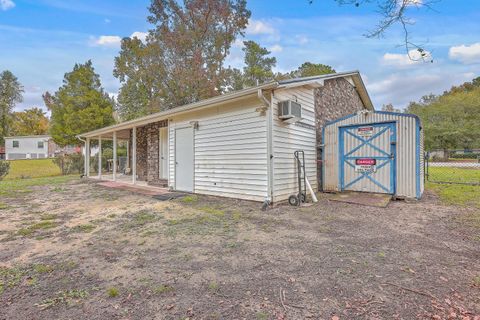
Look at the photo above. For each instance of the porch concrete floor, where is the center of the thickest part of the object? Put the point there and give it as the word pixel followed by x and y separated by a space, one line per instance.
pixel 124 182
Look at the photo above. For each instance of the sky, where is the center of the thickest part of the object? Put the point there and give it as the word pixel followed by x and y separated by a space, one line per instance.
pixel 41 40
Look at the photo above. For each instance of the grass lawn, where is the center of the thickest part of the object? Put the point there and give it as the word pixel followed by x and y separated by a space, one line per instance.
pixel 455 194
pixel 10 188
pixel 452 174
pixel 32 168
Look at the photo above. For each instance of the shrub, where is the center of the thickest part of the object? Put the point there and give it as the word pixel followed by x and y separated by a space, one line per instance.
pixel 471 155
pixel 70 163
pixel 4 168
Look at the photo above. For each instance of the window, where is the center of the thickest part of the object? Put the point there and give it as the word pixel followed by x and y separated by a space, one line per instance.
pixel 16 144
pixel 40 144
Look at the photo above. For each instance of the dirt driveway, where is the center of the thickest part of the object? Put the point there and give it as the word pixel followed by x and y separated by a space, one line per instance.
pixel 81 251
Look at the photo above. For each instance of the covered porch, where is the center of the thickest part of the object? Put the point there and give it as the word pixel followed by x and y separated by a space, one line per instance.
pixel 135 155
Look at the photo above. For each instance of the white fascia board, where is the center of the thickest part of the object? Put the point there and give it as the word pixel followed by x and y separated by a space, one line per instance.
pixel 180 110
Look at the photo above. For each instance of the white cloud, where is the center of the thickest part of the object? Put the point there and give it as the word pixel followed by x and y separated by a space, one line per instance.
pixel 6 4
pixel 302 39
pixel 106 41
pixel 106 20
pixel 405 86
pixel 465 53
pixel 140 35
pixel 256 27
pixel 276 48
pixel 405 60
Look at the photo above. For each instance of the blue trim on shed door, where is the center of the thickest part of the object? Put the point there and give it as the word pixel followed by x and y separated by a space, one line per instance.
pixel 343 130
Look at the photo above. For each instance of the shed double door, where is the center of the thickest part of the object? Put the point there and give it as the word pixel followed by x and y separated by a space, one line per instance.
pixel 367 157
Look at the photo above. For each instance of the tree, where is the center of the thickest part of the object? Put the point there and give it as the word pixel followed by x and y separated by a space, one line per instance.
pixel 79 105
pixel 183 56
pixel 390 108
pixel 10 93
pixel 29 122
pixel 451 120
pixel 258 67
pixel 309 69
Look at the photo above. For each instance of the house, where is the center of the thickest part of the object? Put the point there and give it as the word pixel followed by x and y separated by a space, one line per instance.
pixel 36 147
pixel 2 153
pixel 239 144
pixel 27 147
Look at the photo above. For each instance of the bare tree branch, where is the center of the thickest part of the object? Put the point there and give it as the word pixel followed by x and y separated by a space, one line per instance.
pixel 394 12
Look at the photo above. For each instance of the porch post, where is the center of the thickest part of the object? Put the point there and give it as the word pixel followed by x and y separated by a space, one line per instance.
pixel 87 158
pixel 134 155
pixel 99 157
pixel 114 156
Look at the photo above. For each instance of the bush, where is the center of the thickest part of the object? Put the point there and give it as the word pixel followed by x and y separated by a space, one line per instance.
pixel 4 168
pixel 70 163
pixel 471 155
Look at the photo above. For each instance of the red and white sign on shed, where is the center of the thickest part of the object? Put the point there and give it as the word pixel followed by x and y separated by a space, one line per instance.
pixel 365 165
pixel 365 131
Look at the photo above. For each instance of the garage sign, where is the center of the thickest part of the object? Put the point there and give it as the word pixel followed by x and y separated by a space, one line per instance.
pixel 365 131
pixel 365 165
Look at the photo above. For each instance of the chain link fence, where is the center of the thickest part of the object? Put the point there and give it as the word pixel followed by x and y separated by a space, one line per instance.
pixel 453 166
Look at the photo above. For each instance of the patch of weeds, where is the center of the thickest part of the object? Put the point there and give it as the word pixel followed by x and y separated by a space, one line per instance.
pixel 10 277
pixel 48 216
pixel 231 245
pixel 381 254
pixel 476 281
pixel 42 225
pixel 162 289
pixel 111 215
pixel 58 189
pixel 63 297
pixel 190 199
pixel 3 206
pixel 148 233
pixel 141 218
pixel 213 286
pixel 43 268
pixel 83 228
pixel 98 221
pixel 113 292
pixel 213 211
pixel 262 316
pixel 67 265
pixel 236 215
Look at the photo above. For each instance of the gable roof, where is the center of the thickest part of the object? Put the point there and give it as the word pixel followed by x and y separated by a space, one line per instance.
pixel 315 81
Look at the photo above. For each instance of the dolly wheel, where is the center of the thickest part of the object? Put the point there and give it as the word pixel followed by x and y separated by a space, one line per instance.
pixel 293 200
pixel 303 197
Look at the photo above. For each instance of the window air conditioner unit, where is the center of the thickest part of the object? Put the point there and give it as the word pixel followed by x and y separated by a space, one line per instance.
pixel 289 111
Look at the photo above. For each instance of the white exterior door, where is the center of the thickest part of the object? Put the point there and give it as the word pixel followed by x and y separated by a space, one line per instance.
pixel 184 159
pixel 163 150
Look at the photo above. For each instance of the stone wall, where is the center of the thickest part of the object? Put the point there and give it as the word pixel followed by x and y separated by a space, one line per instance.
pixel 336 99
pixel 148 151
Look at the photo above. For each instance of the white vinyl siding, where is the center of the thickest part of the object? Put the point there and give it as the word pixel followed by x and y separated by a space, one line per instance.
pixel 230 151
pixel 287 138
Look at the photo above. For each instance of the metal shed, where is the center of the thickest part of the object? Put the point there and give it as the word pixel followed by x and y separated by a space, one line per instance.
pixel 374 151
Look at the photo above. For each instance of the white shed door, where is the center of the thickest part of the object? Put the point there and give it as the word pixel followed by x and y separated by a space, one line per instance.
pixel 184 159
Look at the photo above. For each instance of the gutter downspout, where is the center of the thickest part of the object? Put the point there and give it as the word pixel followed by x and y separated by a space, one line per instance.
pixel 269 114
pixel 85 162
